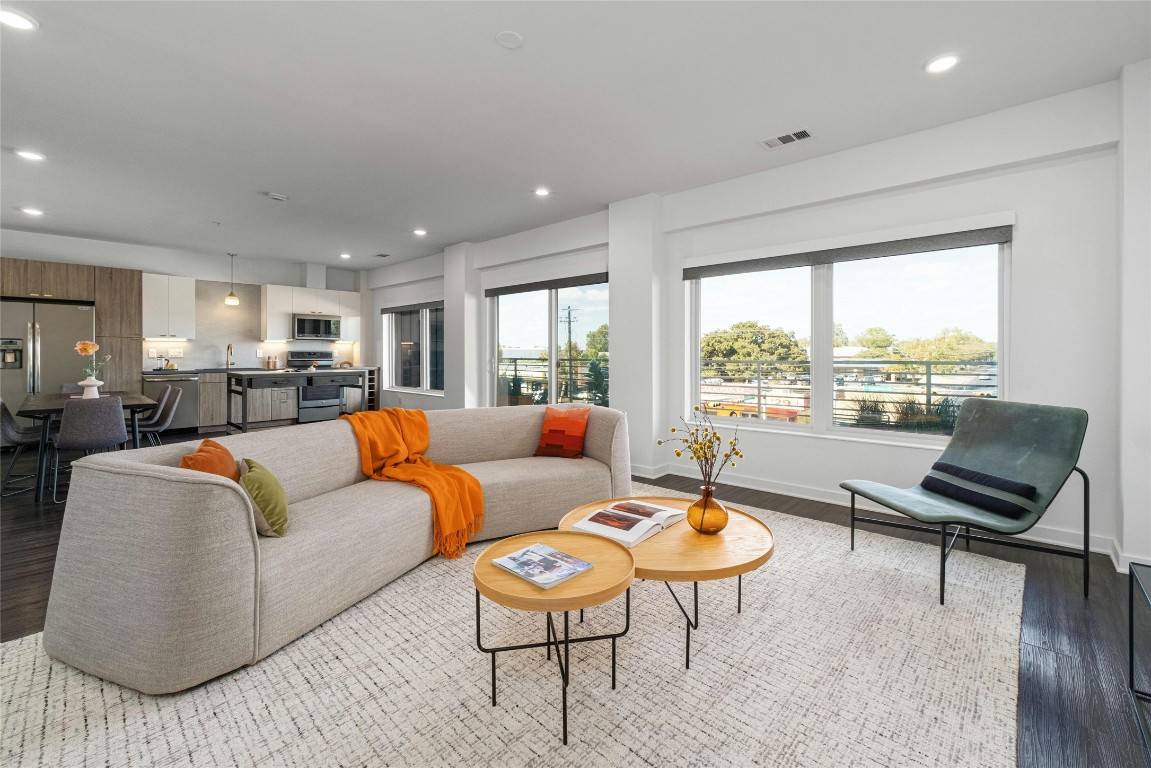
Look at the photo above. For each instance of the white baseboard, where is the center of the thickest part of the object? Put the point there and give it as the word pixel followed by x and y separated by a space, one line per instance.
pixel 650 473
pixel 1040 534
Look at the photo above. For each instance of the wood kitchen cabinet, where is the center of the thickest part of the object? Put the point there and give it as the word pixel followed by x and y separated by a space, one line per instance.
pixel 117 293
pixel 285 404
pixel 265 404
pixel 122 372
pixel 25 278
pixel 213 400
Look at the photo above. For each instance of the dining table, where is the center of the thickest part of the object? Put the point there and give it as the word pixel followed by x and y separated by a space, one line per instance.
pixel 43 406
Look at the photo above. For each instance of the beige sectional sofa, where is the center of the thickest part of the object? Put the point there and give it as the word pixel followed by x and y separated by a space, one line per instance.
pixel 161 581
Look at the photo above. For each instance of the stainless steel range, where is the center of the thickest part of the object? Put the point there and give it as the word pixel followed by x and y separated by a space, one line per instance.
pixel 319 403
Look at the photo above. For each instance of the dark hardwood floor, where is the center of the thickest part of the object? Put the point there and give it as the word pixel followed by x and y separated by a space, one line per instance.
pixel 1073 704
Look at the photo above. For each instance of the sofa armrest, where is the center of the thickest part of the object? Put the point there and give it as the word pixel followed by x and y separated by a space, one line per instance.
pixel 156 583
pixel 606 441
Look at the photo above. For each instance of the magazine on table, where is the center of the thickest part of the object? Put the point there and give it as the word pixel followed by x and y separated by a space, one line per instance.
pixel 542 565
pixel 630 522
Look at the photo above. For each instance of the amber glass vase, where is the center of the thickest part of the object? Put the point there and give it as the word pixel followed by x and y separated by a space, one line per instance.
pixel 708 515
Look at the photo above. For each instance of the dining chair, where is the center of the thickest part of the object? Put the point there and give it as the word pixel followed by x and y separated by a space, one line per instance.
pixel 87 425
pixel 154 416
pixel 1002 469
pixel 164 420
pixel 12 434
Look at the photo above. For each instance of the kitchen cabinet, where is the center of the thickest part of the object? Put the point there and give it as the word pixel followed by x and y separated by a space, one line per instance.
pixel 213 400
pixel 315 301
pixel 119 298
pixel 268 404
pixel 46 280
pixel 276 312
pixel 285 404
pixel 122 372
pixel 349 315
pixel 168 307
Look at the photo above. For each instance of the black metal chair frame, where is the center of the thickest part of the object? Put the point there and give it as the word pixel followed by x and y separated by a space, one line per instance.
pixel 968 537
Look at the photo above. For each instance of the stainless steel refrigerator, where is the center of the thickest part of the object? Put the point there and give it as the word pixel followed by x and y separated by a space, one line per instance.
pixel 37 341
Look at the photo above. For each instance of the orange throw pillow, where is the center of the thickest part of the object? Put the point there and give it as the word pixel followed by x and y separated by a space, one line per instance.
pixel 563 433
pixel 214 458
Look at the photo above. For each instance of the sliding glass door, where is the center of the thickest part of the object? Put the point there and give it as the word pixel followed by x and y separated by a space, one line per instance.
pixel 522 348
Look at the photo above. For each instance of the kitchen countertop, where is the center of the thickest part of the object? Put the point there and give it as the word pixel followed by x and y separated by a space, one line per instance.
pixel 235 369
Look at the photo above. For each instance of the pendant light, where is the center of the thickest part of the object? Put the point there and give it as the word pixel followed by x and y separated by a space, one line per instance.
pixel 232 300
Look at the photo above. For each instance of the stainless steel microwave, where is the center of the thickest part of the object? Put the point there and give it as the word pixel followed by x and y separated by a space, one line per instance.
pixel 316 327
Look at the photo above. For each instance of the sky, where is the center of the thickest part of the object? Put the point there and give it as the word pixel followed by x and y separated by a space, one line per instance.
pixel 523 318
pixel 914 296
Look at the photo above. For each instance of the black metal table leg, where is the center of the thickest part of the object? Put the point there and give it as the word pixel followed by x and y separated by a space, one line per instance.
pixel 42 457
pixel 739 595
pixel 692 622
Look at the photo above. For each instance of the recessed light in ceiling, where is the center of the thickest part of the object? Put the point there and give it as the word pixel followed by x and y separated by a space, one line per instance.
pixel 419 232
pixel 31 211
pixel 345 255
pixel 543 191
pixel 28 154
pixel 17 20
pixel 942 63
pixel 510 40
pixel 279 198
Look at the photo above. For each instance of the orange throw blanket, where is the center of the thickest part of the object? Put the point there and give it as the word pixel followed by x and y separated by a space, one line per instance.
pixel 392 442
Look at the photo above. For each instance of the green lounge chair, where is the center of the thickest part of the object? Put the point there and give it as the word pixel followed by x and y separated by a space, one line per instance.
pixel 1036 445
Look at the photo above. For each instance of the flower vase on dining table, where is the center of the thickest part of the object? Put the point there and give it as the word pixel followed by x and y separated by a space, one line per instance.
pixel 91 387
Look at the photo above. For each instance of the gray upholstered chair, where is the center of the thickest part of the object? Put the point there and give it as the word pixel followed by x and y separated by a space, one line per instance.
pixel 154 417
pixel 164 418
pixel 1036 446
pixel 12 434
pixel 87 425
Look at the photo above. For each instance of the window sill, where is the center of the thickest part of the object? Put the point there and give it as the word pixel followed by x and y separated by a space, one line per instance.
pixel 411 391
pixel 894 439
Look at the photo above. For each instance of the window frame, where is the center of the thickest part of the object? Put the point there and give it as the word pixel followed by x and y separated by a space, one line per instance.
pixel 391 347
pixel 822 357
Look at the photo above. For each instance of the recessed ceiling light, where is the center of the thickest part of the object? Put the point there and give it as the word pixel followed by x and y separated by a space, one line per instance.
pixel 543 191
pixel 419 232
pixel 345 255
pixel 32 211
pixel 510 40
pixel 17 20
pixel 28 154
pixel 942 63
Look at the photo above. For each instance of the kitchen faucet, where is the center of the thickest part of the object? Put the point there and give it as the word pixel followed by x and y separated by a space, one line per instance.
pixel 228 357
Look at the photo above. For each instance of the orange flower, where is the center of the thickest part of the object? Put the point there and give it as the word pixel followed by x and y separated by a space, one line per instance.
pixel 87 347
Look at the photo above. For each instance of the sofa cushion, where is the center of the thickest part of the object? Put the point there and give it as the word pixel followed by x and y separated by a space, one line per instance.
pixel 269 502
pixel 343 546
pixel 562 433
pixel 534 493
pixel 213 458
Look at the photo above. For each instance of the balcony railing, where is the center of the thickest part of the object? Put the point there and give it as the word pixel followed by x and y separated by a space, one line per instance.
pixel 896 395
pixel 524 381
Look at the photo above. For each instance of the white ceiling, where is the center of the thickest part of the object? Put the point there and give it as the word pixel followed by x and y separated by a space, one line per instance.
pixel 380 117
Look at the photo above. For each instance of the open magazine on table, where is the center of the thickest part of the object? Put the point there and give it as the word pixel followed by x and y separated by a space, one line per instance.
pixel 542 565
pixel 630 522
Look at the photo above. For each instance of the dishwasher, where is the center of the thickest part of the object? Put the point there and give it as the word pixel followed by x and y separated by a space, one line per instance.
pixel 187 414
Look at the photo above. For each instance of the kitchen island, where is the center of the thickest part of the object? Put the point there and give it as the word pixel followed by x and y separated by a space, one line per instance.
pixel 242 382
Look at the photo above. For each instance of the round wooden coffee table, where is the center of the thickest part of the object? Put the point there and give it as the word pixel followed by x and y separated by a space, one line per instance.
pixel 611 575
pixel 683 554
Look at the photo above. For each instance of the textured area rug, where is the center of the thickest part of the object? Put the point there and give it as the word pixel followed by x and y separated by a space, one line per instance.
pixel 839 658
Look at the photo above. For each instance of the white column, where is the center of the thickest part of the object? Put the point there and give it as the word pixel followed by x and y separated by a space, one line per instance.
pixel 1134 313
pixel 464 355
pixel 638 293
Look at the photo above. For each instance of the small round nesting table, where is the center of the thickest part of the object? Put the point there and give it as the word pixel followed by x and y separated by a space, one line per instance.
pixel 682 554
pixel 611 575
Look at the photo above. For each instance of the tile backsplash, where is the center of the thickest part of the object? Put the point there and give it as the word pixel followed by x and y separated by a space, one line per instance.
pixel 218 325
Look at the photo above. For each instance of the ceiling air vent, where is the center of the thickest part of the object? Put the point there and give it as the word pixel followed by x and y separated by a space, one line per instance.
pixel 786 138
pixel 382 255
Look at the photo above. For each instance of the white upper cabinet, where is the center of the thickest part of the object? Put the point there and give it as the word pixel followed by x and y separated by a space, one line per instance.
pixel 315 301
pixel 169 307
pixel 349 315
pixel 276 308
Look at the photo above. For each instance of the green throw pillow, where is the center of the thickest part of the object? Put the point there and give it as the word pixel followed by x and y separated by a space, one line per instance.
pixel 267 497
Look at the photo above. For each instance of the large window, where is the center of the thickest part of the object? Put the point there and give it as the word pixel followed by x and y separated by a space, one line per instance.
pixel 415 342
pixel 552 343
pixel 890 336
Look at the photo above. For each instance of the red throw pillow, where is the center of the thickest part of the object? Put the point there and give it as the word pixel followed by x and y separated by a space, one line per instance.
pixel 563 432
pixel 214 458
